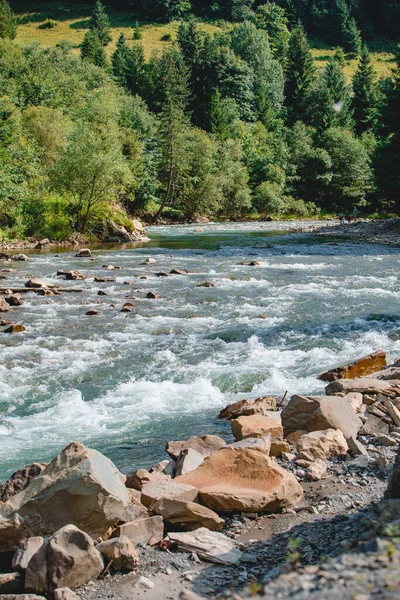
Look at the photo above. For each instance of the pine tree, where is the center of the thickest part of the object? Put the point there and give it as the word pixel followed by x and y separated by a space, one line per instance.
pixel 343 28
pixel 352 38
pixel 135 69
pixel 335 81
pixel 92 49
pixel 8 21
pixel 137 34
pixel 120 61
pixel 100 23
pixel 300 74
pixel 365 96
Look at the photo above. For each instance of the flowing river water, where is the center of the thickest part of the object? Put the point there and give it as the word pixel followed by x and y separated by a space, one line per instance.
pixel 125 383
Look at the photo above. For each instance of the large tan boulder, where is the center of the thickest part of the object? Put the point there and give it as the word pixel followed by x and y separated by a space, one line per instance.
pixel 315 413
pixel 81 487
pixel 205 445
pixel 321 444
pixel 261 444
pixel 187 515
pixel 363 385
pixel 156 490
pixel 256 426
pixel 243 479
pixel 359 368
pixel 247 407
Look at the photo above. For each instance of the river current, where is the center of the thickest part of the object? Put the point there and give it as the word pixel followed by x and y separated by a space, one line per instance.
pixel 125 383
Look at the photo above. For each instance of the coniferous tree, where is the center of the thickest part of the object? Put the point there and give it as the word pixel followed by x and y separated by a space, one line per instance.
pixel 8 21
pixel 92 49
pixel 120 61
pixel 343 27
pixel 137 34
pixel 300 74
pixel 336 83
pixel 352 38
pixel 100 23
pixel 365 94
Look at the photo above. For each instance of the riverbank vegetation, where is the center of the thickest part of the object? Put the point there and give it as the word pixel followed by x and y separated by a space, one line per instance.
pixel 231 114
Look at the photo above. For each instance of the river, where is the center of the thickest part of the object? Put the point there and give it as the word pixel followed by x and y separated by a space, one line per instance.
pixel 125 383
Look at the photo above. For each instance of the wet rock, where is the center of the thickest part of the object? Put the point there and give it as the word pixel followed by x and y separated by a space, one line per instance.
pixel 149 530
pixel 73 276
pixel 4 322
pixel 374 425
pixel 188 460
pixel 102 293
pixel 178 272
pixel 246 407
pixel 103 279
pixel 15 328
pixel 14 300
pixel 206 284
pixel 4 306
pixel 363 385
pixel 92 312
pixel 187 515
pixel 321 444
pixel 19 257
pixel 83 253
pixel 245 480
pixel 42 243
pixel 120 552
pixel 254 263
pixel 156 490
pixel 35 283
pixel 316 470
pixel 210 545
pixel 153 296
pixel 26 548
pixel 4 256
pixel 80 486
pixel 316 413
pixel 205 445
pixel 149 261
pixel 118 233
pixel 359 368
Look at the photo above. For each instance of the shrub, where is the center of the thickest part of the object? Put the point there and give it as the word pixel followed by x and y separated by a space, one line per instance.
pixel 48 24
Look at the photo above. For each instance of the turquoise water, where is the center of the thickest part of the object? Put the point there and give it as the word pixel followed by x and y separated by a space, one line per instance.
pixel 125 383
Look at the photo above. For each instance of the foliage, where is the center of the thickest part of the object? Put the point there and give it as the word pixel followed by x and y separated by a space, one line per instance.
pixel 100 24
pixel 8 21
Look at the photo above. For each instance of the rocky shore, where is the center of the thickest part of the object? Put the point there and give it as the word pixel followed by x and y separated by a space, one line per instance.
pixel 292 507
pixel 374 232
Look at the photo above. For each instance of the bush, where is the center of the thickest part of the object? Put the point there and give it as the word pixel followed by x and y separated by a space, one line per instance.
pixel 48 24
pixel 268 198
pixel 299 208
pixel 167 37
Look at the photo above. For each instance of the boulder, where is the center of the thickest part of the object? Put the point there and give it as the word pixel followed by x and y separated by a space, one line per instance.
pixel 209 545
pixel 359 368
pixel 72 559
pixel 188 460
pixel 316 470
pixel 11 583
pixel 205 445
pixel 36 571
pixel 140 477
pixel 4 306
pixel 83 253
pixel 19 480
pixel 80 487
pixel 245 480
pixel 15 328
pixel 374 425
pixel 321 444
pixel 261 444
pixel 149 530
pixel 363 385
pixel 120 552
pixel 256 426
pixel 14 300
pixel 12 529
pixel 156 490
pixel 246 407
pixel 26 548
pixel 65 594
pixel 19 257
pixel 35 283
pixel 187 515
pixel 149 261
pixel 315 413
pixel 153 296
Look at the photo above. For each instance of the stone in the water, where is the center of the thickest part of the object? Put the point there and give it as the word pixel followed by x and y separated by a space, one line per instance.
pixel 16 328
pixel 102 293
pixel 205 445
pixel 92 312
pixel 35 283
pixel 19 257
pixel 80 486
pixel 206 284
pixel 83 252
pixel 178 272
pixel 243 480
pixel 359 368
pixel 14 300
pixel 4 306
pixel 153 296
pixel 149 261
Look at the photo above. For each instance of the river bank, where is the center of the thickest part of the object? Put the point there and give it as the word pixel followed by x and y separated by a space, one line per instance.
pixel 373 232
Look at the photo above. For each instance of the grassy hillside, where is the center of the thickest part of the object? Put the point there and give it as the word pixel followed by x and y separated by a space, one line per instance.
pixel 73 20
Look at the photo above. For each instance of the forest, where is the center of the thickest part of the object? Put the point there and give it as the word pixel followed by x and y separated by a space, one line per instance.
pixel 236 124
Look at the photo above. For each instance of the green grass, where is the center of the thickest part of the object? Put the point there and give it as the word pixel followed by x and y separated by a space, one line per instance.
pixel 73 21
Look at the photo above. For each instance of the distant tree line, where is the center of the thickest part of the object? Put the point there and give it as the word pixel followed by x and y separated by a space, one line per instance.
pixel 227 125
